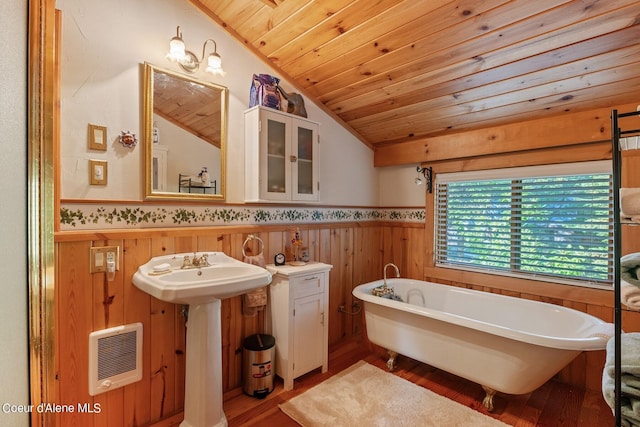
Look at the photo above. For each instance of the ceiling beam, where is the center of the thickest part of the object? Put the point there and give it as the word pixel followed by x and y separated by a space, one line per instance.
pixel 570 129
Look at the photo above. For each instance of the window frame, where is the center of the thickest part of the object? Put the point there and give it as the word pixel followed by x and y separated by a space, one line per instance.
pixel 515 173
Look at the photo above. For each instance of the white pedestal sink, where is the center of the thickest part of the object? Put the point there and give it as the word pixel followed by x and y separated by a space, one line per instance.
pixel 201 287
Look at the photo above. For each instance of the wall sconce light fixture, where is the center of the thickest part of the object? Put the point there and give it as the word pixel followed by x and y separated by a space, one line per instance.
pixel 426 173
pixel 188 61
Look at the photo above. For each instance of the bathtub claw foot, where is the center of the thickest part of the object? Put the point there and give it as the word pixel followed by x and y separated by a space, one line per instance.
pixel 391 363
pixel 487 402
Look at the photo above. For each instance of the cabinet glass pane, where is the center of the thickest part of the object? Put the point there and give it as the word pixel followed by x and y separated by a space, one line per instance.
pixel 305 144
pixel 275 157
pixel 275 138
pixel 275 175
pixel 305 161
pixel 305 177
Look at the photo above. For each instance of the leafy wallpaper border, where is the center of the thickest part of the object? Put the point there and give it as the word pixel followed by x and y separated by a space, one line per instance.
pixel 91 217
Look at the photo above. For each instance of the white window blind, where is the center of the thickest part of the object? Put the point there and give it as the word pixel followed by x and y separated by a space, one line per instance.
pixel 554 223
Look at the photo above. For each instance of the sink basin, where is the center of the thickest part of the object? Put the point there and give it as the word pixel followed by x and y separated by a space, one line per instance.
pixel 163 278
pixel 202 288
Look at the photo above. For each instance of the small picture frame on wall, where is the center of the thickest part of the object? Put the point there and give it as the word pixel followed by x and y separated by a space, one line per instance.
pixel 98 172
pixel 97 137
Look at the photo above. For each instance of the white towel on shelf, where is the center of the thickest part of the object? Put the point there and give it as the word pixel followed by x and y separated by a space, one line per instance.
pixel 630 268
pixel 630 386
pixel 629 357
pixel 630 295
pixel 628 406
pixel 629 378
pixel 630 201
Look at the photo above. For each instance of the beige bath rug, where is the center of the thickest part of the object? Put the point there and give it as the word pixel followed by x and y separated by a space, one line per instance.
pixel 364 395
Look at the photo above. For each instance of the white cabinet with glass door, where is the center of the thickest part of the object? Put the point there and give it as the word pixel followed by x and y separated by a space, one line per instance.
pixel 281 156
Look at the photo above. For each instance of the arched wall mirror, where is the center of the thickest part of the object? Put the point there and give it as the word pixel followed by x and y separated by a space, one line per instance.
pixel 185 125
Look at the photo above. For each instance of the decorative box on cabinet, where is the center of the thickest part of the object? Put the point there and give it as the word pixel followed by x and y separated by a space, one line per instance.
pixel 299 323
pixel 281 156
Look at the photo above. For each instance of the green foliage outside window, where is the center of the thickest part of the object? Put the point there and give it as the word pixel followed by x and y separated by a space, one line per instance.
pixel 558 226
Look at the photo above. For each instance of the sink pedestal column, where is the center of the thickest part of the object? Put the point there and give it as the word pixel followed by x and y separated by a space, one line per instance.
pixel 203 382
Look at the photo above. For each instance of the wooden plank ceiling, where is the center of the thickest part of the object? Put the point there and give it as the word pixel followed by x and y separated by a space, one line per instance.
pixel 396 71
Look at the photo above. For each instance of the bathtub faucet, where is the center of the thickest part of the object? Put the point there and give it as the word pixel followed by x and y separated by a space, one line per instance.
pixel 385 271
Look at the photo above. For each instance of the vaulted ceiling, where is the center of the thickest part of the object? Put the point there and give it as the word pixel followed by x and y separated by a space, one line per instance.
pixel 394 71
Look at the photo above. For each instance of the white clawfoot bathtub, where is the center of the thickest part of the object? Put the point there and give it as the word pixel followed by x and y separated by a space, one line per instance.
pixel 503 343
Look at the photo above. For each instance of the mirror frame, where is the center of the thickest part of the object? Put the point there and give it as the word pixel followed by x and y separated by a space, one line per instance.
pixel 148 86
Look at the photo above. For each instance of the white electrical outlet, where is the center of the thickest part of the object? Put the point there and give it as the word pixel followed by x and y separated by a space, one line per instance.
pixel 98 259
pixel 102 256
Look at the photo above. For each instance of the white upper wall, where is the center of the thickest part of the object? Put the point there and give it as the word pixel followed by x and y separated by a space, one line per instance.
pixel 103 45
pixel 398 187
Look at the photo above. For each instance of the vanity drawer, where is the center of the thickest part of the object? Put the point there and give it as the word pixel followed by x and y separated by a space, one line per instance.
pixel 307 285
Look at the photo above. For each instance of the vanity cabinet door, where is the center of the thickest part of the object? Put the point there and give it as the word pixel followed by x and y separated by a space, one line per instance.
pixel 308 324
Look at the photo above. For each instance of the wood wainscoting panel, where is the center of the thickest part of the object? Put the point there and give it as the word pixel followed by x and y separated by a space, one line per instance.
pixel 137 401
pixel 367 264
pixel 357 251
pixel 340 282
pixel 74 316
pixel 108 311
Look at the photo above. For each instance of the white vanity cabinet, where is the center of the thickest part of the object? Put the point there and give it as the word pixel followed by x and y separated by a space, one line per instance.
pixel 299 322
pixel 281 156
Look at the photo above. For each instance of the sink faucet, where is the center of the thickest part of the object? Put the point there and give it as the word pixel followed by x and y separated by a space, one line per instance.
pixel 196 261
pixel 202 261
pixel 385 271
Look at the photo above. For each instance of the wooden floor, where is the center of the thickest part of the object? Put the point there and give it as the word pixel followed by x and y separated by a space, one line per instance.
pixel 553 404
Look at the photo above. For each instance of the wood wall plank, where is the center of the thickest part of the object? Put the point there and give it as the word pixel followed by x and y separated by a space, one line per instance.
pixel 162 362
pixel 137 404
pixel 74 312
pixel 336 286
pixel 415 253
pixel 108 311
pixel 366 268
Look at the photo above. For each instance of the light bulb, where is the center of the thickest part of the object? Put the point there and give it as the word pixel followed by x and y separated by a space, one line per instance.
pixel 214 64
pixel 176 50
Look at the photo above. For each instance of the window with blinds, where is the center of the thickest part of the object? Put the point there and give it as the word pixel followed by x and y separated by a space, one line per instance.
pixel 554 222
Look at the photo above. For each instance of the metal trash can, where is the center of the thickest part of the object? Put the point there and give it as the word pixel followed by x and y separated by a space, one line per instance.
pixel 258 355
